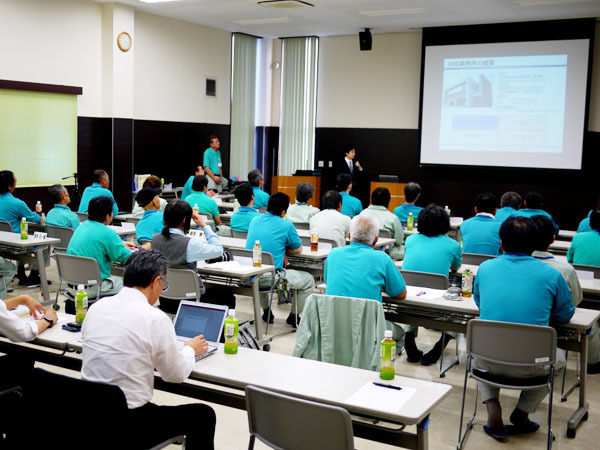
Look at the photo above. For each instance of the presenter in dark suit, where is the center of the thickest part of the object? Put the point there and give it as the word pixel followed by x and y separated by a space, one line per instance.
pixel 353 168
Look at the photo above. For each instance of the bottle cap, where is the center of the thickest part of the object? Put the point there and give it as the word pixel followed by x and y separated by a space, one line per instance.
pixel 23 219
pixel 80 287
pixel 231 313
pixel 388 334
pixel 257 242
pixel 410 214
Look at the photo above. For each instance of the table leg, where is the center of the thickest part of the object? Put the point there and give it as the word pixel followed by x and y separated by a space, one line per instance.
pixel 423 434
pixel 44 280
pixel 257 312
pixel 583 407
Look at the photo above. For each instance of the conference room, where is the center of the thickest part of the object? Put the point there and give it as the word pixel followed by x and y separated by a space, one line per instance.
pixel 137 88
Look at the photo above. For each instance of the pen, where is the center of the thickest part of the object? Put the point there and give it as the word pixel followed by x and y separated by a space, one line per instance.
pixel 389 386
pixel 421 293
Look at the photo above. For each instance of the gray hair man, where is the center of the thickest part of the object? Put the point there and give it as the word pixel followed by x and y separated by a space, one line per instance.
pixel 301 211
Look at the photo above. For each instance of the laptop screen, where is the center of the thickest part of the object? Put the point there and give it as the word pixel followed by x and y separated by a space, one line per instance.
pixel 193 320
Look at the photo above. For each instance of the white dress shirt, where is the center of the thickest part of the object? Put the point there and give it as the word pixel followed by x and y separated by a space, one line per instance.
pixel 15 328
pixel 125 339
pixel 331 224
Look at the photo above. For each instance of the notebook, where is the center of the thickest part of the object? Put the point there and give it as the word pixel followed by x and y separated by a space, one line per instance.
pixel 194 318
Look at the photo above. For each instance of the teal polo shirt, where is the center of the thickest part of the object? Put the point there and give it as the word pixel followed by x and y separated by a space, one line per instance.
pixel 275 235
pixel 585 249
pixel 261 198
pixel 357 270
pixel 584 225
pixel 504 213
pixel 95 190
pixel 212 160
pixel 240 220
pixel 403 210
pixel 351 206
pixel 12 210
pixel 521 289
pixel 528 212
pixel 95 240
pixel 437 254
pixel 204 202
pixel 62 216
pixel 150 224
pixel 481 234
pixel 187 188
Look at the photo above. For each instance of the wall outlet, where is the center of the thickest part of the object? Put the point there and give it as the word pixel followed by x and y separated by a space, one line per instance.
pixel 321 164
pixel 330 164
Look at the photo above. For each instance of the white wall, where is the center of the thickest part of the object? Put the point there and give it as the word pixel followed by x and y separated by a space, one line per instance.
pixel 54 42
pixel 172 61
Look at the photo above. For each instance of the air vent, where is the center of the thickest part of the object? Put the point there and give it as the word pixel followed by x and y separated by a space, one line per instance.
pixel 211 87
pixel 284 4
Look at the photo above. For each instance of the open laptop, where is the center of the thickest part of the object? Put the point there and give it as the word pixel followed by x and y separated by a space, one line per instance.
pixel 194 318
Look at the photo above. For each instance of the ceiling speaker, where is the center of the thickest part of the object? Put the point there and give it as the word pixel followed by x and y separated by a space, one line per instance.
pixel 365 40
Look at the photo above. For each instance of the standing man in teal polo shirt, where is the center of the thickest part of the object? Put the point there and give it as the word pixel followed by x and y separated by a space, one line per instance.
pixel 261 198
pixel 351 206
pixel 206 204
pixel 61 215
pixel 280 238
pixel 152 220
pixel 412 192
pixel 534 203
pixel 480 234
pixel 240 220
pixel 187 187
pixel 585 246
pixel 99 187
pixel 510 202
pixel 213 165
pixel 95 240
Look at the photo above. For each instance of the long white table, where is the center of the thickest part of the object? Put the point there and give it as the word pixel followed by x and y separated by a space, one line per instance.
pixel 382 242
pixel 13 241
pixel 307 254
pixel 566 235
pixel 560 247
pixel 303 378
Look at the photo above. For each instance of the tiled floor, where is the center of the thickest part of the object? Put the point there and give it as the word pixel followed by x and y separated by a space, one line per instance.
pixel 232 426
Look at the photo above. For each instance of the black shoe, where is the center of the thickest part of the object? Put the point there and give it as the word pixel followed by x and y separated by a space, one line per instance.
pixel 413 354
pixel 34 279
pixel 264 316
pixel 21 276
pixel 291 320
pixel 434 354
pixel 593 369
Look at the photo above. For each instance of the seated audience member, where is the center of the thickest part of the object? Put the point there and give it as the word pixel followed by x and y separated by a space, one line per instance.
pixel 510 202
pixel 152 221
pixel 19 330
pixel 358 270
pixel 412 191
pixel 125 339
pixel 206 204
pixel 279 237
pixel 584 225
pixel 61 215
pixel 7 270
pixel 256 180
pixel 380 200
pixel 94 239
pixel 301 211
pixel 351 206
pixel 152 182
pixel 516 287
pixel 585 247
pixel 187 187
pixel 240 220
pixel 430 250
pixel 533 205
pixel 545 234
pixel 330 223
pixel 98 188
pixel 480 234
pixel 12 210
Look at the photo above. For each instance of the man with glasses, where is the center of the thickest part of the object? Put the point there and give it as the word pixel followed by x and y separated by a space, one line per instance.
pixel 125 338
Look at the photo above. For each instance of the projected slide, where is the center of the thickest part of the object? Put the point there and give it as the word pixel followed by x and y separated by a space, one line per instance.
pixel 511 104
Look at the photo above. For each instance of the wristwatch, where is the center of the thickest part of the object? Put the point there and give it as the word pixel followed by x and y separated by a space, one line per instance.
pixel 49 320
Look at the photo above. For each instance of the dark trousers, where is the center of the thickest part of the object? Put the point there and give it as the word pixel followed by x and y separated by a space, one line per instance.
pixel 13 371
pixel 152 424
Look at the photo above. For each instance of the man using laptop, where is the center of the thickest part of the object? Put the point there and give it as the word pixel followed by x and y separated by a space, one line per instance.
pixel 125 338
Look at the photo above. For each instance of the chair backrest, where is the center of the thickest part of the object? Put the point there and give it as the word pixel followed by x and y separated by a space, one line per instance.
pixel 302 226
pixel 475 259
pixel 425 279
pixel 383 233
pixel 78 270
pixel 244 256
pixel 306 241
pixel 184 284
pixel 284 422
pixel 132 220
pixel 5 226
pixel 511 343
pixel 239 234
pixel 583 268
pixel 82 216
pixel 63 233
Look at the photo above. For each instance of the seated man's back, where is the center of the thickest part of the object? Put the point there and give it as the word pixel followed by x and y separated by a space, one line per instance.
pixel 301 211
pixel 61 215
pixel 330 223
pixel 480 234
pixel 380 200
pixel 98 188
pixel 240 220
pixel 533 207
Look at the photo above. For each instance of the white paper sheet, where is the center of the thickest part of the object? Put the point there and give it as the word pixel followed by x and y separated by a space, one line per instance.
pixel 381 398
pixel 585 275
pixel 425 293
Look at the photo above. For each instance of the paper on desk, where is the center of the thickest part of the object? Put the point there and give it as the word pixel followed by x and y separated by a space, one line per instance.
pixel 585 275
pixel 429 294
pixel 232 266
pixel 383 399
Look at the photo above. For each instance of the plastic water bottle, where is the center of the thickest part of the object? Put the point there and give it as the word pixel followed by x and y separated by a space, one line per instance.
pixel 38 208
pixel 81 304
pixel 387 370
pixel 410 222
pixel 231 333
pixel 24 228
pixel 447 210
pixel 196 210
pixel 257 254
pixel 236 205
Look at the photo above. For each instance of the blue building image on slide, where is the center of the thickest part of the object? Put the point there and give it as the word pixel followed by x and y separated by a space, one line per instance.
pixel 470 93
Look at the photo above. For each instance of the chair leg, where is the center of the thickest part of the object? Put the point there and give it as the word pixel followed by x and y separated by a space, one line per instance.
pixel 550 432
pixel 270 304
pixel 469 426
pixel 563 397
pixel 251 443
pixel 55 306
pixel 453 363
